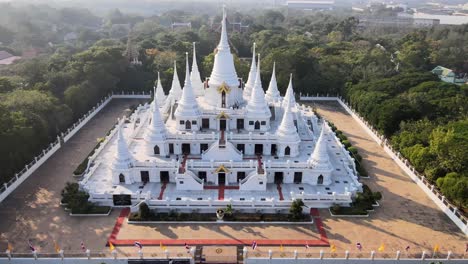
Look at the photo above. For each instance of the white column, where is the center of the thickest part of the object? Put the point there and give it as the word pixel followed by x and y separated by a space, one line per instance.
pixel 398 253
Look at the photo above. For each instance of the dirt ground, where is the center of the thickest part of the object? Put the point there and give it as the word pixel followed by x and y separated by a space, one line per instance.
pixel 406 216
pixel 33 212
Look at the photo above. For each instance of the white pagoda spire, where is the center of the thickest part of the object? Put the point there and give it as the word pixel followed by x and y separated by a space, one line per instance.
pixel 252 75
pixel 223 67
pixel 188 106
pixel 257 106
pixel 289 96
pixel 197 83
pixel 319 158
pixel 176 90
pixel 287 131
pixel 156 130
pixel 159 92
pixel 272 94
pixel 123 158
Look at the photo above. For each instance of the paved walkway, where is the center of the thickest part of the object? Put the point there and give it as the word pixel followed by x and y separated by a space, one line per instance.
pixel 406 216
pixel 32 211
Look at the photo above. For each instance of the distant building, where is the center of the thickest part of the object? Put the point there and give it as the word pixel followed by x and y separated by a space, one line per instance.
pixel 449 76
pixel 425 22
pixel 70 37
pixel 6 58
pixel 311 4
pixel 178 25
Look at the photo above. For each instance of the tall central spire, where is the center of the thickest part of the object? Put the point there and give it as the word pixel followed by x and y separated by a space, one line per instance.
pixel 223 67
pixel 223 42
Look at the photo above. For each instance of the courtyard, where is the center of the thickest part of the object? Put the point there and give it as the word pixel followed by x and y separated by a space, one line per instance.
pixel 406 217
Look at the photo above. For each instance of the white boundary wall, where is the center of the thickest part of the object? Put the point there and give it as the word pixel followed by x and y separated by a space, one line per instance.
pixel 21 176
pixel 450 210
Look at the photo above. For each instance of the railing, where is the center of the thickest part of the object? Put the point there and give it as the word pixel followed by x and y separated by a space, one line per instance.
pixel 10 186
pixel 439 199
pixel 312 256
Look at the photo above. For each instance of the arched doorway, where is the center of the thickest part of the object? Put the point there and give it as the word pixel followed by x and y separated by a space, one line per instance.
pixel 156 150
pixel 223 99
pixel 320 180
pixel 287 151
pixel 188 125
pixel 257 125
pixel 121 178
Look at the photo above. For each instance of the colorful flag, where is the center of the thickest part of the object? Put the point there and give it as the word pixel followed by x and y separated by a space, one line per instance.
pixel 307 245
pixel 111 246
pixel 332 248
pixel 254 245
pixel 359 246
pixel 33 249
pixel 57 248
pixel 83 246
pixel 281 247
pixel 381 248
pixel 407 248
pixel 9 247
pixel 436 248
pixel 138 245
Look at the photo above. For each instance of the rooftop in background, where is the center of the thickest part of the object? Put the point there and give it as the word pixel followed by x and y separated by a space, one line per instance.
pixel 7 58
pixel 449 76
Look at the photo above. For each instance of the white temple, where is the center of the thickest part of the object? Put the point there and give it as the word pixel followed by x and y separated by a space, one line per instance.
pixel 218 142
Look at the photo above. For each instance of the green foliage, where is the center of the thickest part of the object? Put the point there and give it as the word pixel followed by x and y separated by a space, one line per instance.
pixel 455 186
pixel 144 211
pixel 295 210
pixel 77 201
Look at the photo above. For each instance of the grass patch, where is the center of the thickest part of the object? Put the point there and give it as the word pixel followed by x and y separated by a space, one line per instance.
pixel 362 204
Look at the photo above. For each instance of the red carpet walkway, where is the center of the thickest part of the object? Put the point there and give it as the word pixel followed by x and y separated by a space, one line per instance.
pixel 322 242
pixel 280 192
pixel 163 188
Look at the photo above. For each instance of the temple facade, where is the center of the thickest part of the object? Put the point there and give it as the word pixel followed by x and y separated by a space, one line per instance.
pixel 222 139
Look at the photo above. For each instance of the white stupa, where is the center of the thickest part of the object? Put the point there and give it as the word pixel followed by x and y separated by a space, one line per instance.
pixel 176 89
pixel 289 98
pixel 272 94
pixel 197 83
pixel 257 107
pixel 187 109
pixel 252 76
pixel 159 92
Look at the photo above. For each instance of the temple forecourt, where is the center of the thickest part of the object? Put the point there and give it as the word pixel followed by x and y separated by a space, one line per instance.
pixel 222 141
